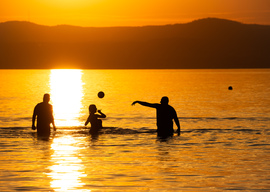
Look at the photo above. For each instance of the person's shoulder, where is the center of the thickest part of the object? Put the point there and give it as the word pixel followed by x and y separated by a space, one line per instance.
pixel 92 115
pixel 171 107
pixel 39 104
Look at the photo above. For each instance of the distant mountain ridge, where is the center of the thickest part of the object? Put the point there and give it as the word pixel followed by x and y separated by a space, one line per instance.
pixel 204 43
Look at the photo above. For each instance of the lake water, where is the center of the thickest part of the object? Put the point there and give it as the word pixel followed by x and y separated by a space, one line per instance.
pixel 224 143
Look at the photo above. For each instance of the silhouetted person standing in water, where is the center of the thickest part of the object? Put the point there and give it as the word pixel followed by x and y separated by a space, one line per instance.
pixel 93 119
pixel 165 116
pixel 44 113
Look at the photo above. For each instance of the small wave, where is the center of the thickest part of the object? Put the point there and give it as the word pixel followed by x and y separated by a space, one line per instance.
pixel 198 118
pixel 259 145
pixel 233 130
pixel 115 130
pixel 227 118
pixel 246 130
pixel 78 131
pixel 14 128
pixel 26 131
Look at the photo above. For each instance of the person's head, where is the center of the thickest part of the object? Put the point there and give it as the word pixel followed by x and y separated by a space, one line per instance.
pixel 46 98
pixel 92 108
pixel 164 100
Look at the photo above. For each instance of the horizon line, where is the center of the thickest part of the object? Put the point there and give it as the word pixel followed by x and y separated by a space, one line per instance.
pixel 148 25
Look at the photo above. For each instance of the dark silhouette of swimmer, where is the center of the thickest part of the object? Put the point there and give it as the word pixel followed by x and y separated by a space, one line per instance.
pixel 165 116
pixel 44 113
pixel 93 119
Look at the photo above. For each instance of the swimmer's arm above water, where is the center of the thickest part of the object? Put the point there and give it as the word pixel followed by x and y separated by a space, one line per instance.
pixel 102 115
pixel 143 103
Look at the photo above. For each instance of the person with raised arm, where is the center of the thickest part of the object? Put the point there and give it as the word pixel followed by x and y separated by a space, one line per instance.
pixel 94 119
pixel 165 116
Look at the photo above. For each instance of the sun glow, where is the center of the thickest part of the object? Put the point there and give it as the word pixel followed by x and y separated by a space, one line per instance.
pixel 66 96
pixel 70 3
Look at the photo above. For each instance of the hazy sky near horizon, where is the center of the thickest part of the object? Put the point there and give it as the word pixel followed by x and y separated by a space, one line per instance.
pixel 132 12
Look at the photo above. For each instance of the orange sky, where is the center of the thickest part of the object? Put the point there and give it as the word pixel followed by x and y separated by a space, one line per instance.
pixel 132 12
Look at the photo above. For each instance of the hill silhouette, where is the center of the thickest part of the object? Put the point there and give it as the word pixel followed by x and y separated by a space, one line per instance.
pixel 204 43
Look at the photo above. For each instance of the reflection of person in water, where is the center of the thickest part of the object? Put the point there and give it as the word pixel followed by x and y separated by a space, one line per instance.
pixel 93 119
pixel 165 116
pixel 44 113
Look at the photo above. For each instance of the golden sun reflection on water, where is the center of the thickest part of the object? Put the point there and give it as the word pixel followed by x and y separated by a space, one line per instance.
pixel 66 96
pixel 67 168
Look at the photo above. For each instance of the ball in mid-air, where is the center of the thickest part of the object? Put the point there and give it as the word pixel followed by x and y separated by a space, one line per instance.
pixel 101 94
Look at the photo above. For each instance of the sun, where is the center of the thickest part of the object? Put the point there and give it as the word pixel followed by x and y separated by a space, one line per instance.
pixel 66 96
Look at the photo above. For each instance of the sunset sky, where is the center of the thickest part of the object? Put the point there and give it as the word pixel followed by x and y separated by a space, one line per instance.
pixel 132 12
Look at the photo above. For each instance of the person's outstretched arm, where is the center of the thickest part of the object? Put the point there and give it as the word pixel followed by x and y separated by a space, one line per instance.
pixel 145 104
